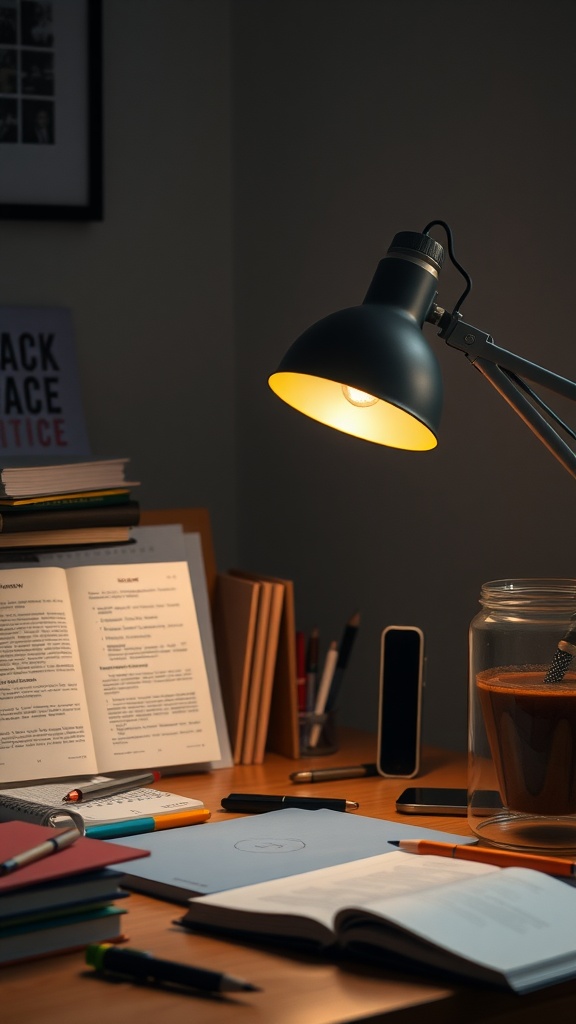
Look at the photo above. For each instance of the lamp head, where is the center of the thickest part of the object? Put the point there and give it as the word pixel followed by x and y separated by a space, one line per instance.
pixel 368 370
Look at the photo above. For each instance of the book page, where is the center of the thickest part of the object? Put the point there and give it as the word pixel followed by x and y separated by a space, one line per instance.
pixel 44 721
pixel 510 926
pixel 144 671
pixel 317 896
pixel 163 544
pixel 517 922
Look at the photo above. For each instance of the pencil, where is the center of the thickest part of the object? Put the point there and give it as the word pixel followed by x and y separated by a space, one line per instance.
pixel 344 651
pixel 500 858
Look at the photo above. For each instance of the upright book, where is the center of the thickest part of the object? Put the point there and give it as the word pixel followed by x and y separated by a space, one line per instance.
pixel 235 617
pixel 512 927
pixel 103 670
pixel 282 732
pixel 265 665
pixel 275 699
pixel 253 708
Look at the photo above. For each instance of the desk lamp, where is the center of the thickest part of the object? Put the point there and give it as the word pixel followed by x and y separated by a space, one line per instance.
pixel 368 370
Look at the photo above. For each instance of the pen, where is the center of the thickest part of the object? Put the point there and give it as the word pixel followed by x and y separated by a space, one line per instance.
pixel 154 823
pixel 344 650
pixel 352 771
pixel 109 787
pixel 311 669
pixel 250 803
pixel 52 845
pixel 133 963
pixel 323 691
pixel 301 669
pixel 500 858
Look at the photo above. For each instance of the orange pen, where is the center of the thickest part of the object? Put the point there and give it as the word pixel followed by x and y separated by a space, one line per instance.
pixel 180 818
pixel 489 855
pixel 151 823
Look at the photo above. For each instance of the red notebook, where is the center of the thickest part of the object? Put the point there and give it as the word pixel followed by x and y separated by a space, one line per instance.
pixel 82 856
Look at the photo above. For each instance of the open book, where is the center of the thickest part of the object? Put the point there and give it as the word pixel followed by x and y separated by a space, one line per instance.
pixel 509 927
pixel 101 670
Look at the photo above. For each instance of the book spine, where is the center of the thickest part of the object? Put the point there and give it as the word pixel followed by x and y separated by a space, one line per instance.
pixel 124 514
pixel 19 505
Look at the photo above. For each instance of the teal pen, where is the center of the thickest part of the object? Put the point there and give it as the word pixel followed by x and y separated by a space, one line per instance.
pixel 119 829
pixel 122 828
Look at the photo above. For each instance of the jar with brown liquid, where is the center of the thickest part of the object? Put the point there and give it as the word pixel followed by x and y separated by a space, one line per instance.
pixel 522 716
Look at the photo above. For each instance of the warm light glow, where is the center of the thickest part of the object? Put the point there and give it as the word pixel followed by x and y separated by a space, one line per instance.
pixel 358 398
pixel 380 422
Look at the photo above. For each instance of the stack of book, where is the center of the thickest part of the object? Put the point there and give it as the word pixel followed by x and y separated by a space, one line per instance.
pixel 254 634
pixel 72 503
pixel 64 901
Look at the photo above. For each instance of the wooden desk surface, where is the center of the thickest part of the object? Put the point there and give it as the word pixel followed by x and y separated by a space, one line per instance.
pixel 295 989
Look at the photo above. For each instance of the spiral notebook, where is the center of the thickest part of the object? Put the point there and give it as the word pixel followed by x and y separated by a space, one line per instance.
pixel 42 805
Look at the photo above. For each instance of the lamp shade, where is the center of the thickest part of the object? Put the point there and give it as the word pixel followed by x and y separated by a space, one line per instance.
pixel 368 370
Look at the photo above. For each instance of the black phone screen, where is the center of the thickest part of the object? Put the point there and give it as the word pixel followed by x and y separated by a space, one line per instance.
pixel 400 691
pixel 438 800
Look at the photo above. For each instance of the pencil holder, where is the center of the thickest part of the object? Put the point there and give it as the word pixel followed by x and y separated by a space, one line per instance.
pixel 317 733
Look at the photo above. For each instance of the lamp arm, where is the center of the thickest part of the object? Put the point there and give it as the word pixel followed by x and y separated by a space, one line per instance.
pixel 533 419
pixel 500 367
pixel 477 344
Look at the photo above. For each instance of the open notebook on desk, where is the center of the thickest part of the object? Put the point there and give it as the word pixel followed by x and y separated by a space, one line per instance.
pixel 42 804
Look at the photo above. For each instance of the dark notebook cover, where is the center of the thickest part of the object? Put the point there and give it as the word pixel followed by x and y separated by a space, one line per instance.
pixel 82 856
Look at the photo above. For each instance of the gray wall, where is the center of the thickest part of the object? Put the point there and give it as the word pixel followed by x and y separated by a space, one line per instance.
pixel 150 287
pixel 352 121
pixel 259 157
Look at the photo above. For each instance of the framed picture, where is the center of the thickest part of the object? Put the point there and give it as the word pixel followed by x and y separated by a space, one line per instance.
pixel 51 109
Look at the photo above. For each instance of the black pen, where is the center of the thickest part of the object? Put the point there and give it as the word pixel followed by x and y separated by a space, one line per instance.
pixel 344 650
pixel 133 963
pixel 252 803
pixel 352 771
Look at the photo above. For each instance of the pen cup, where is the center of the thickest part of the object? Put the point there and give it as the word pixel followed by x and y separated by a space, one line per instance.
pixel 317 733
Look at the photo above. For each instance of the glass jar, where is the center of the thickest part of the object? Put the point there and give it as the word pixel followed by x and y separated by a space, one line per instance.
pixel 522 723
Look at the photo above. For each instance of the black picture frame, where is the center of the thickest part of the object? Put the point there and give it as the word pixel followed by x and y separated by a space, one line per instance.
pixel 51 73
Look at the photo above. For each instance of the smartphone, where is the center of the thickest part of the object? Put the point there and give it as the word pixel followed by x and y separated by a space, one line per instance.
pixel 400 701
pixel 434 800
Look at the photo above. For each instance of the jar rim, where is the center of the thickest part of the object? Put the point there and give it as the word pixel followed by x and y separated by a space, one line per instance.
pixel 555 589
pixel 533 583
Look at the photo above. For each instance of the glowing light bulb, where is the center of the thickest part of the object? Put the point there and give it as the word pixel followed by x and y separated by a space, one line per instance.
pixel 359 398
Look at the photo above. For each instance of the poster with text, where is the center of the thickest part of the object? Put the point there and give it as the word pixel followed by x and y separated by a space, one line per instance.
pixel 41 413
